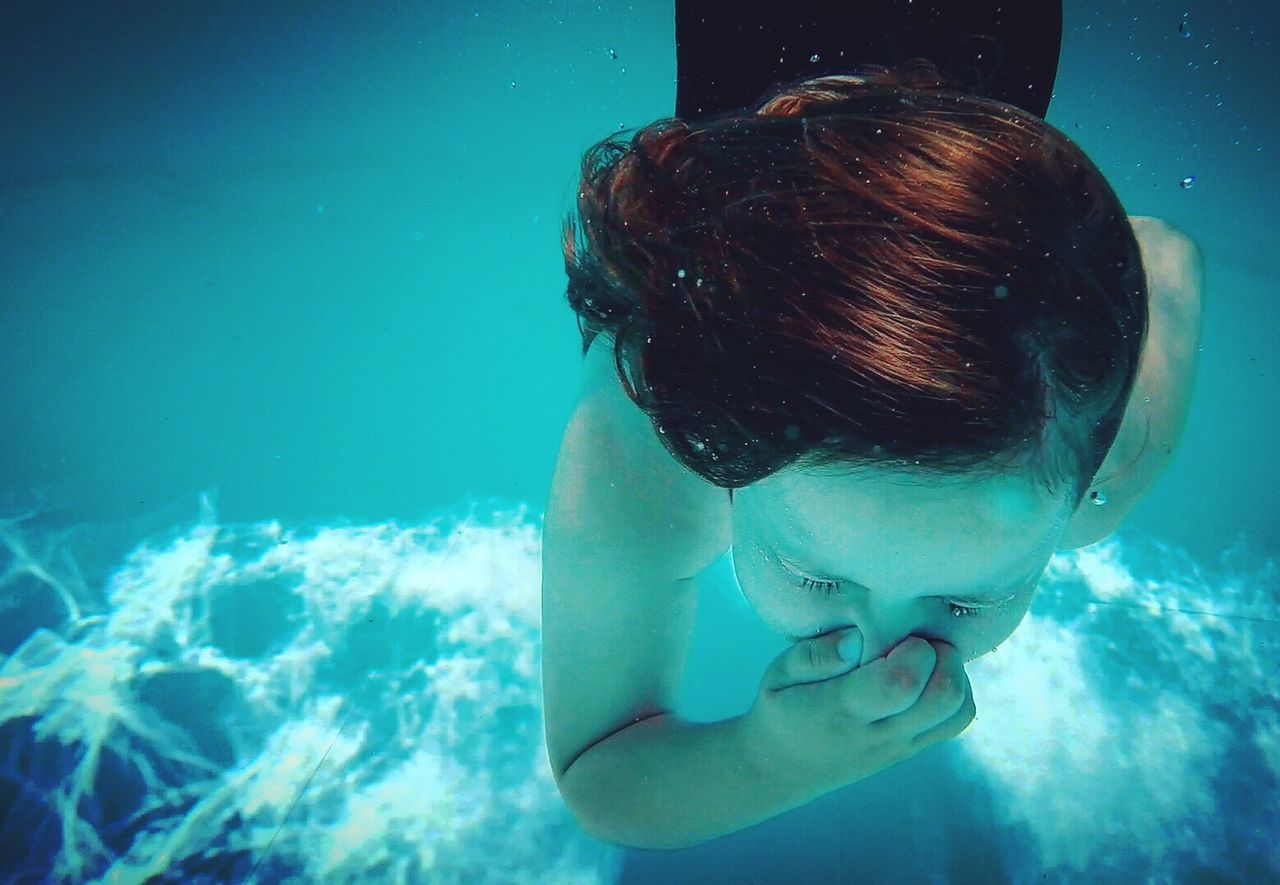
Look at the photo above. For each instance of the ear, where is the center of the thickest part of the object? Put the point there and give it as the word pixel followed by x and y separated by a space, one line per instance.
pixel 1157 410
pixel 1121 481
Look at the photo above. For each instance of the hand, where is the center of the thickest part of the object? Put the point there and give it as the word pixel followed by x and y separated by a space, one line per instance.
pixel 825 721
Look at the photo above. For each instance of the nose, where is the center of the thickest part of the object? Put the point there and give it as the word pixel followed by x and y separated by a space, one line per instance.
pixel 883 627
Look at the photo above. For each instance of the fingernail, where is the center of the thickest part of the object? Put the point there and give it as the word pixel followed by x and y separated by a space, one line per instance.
pixel 850 647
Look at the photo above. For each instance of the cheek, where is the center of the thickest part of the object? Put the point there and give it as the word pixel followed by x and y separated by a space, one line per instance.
pixel 985 633
pixel 781 607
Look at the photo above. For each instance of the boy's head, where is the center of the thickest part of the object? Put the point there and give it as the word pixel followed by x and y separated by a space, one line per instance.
pixel 869 277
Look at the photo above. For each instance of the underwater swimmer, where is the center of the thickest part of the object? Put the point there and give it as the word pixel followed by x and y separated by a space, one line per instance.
pixel 888 341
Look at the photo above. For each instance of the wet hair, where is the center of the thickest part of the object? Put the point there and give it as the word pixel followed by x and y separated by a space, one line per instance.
pixel 876 268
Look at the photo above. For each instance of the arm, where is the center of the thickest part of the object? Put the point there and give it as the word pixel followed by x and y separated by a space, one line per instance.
pixel 616 626
pixel 666 783
pixel 620 542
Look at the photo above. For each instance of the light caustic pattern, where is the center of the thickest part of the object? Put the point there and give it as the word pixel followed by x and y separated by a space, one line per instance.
pixel 362 704
pixel 243 704
pixel 1130 723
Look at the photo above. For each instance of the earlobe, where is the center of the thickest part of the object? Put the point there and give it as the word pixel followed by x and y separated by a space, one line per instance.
pixel 1091 522
pixel 1119 484
pixel 1158 404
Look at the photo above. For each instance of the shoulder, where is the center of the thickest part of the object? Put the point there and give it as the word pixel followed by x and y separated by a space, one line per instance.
pixel 674 502
pixel 1170 360
pixel 1174 266
pixel 1156 414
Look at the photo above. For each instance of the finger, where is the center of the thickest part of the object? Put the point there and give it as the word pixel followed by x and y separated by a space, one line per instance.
pixel 945 695
pixel 951 727
pixel 889 685
pixel 815 660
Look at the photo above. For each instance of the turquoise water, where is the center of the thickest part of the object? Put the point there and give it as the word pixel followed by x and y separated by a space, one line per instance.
pixel 286 362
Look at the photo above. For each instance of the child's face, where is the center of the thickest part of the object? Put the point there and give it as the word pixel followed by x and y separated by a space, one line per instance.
pixel 902 548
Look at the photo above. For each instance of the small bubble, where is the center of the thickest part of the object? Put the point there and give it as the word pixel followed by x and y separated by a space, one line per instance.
pixel 1002 292
pixel 1184 28
pixel 648 339
pixel 680 273
pixel 699 282
pixel 814 57
pixel 662 430
pixel 1098 498
pixel 613 54
pixel 1187 183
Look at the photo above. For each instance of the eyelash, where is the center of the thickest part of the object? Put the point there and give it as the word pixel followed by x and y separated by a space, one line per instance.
pixel 830 588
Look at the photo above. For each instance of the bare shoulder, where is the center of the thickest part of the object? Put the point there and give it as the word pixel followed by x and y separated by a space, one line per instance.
pixel 1175 275
pixel 1175 289
pixel 626 528
pixel 1156 415
pixel 690 513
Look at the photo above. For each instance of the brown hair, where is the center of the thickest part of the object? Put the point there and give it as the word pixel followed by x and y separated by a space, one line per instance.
pixel 865 269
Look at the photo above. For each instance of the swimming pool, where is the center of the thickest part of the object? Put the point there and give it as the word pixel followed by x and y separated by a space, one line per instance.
pixel 288 363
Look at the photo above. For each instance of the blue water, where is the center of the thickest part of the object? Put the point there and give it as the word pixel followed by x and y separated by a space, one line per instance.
pixel 285 364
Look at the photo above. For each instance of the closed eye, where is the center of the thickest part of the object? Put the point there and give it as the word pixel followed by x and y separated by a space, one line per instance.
pixel 828 587
pixel 958 608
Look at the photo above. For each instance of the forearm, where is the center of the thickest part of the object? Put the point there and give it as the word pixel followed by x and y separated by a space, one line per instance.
pixel 669 783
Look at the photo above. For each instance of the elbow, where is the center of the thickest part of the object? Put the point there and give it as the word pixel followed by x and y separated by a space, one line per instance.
pixel 585 813
pixel 599 814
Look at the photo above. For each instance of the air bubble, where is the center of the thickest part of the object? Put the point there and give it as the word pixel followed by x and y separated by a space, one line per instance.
pixel 680 273
pixel 1184 28
pixel 814 57
pixel 1002 292
pixel 1098 498
pixel 1187 183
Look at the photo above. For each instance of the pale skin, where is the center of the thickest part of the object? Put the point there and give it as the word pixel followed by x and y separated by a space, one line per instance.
pixel 957 558
pixel 628 528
